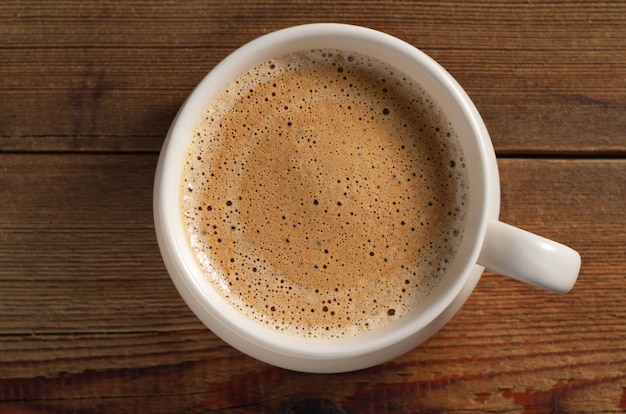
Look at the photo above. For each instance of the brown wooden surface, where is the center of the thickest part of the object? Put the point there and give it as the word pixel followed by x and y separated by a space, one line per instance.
pixel 89 319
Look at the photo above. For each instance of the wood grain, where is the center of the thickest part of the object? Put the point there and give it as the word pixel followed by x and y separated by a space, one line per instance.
pixel 89 319
pixel 548 77
pixel 92 322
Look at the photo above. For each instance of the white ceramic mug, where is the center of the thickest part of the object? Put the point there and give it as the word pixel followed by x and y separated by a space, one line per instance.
pixel 486 243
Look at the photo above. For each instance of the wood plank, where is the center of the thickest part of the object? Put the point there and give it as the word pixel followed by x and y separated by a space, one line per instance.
pixel 502 25
pixel 90 320
pixel 83 222
pixel 123 99
pixel 547 77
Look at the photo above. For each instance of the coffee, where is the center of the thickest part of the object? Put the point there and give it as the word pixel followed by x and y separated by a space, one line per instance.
pixel 324 193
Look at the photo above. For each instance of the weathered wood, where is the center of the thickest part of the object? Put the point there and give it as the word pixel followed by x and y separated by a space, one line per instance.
pixel 547 77
pixel 90 319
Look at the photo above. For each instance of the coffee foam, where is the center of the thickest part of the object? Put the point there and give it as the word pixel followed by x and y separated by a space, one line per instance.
pixel 324 194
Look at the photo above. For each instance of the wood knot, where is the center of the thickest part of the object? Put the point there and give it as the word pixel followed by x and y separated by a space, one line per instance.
pixel 313 406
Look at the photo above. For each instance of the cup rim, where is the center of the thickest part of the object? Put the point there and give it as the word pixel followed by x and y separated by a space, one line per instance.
pixel 185 272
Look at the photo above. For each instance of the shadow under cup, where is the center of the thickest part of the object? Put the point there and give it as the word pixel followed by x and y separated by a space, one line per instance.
pixel 371 348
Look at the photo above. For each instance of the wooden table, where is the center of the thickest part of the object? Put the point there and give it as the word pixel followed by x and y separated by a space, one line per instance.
pixel 89 319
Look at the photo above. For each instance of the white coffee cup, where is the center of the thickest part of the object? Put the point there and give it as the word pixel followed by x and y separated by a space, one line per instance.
pixel 486 243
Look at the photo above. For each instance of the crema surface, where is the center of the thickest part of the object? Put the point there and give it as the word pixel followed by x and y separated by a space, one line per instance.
pixel 324 193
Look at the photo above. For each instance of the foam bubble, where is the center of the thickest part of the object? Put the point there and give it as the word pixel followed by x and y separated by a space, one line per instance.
pixel 324 193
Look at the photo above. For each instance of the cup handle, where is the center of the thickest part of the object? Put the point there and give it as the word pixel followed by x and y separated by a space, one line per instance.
pixel 530 258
